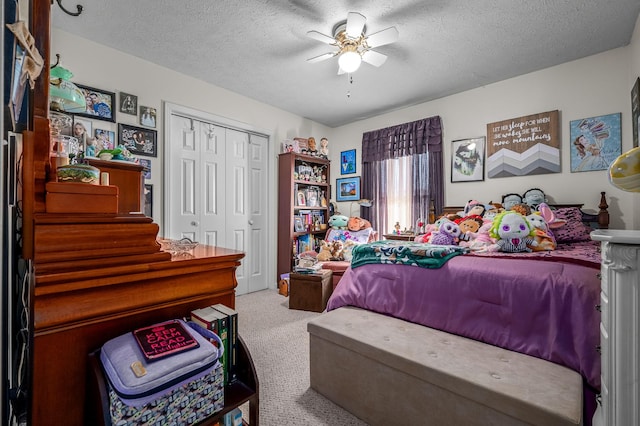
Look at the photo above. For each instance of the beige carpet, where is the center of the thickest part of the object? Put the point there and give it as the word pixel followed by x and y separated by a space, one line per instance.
pixel 279 344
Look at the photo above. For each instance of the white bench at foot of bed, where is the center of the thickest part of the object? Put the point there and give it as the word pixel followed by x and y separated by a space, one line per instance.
pixel 388 371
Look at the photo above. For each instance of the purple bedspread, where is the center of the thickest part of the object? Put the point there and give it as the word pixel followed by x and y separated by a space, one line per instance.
pixel 544 308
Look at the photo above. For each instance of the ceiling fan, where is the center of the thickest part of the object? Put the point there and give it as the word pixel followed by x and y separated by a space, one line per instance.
pixel 353 45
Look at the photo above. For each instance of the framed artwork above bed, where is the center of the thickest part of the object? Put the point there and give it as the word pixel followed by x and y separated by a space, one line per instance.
pixel 467 160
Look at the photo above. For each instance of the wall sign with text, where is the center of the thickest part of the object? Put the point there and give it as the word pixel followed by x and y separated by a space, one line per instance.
pixel 522 146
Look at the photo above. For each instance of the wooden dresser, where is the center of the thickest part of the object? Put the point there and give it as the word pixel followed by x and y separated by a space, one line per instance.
pixel 76 310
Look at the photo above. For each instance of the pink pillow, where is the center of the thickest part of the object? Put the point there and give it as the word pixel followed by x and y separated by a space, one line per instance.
pixel 574 230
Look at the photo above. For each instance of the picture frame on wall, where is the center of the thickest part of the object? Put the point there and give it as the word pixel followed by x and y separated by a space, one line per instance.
pixel 635 111
pixel 348 162
pixel 148 200
pixel 138 140
pixel 595 142
pixel 146 163
pixel 348 189
pixel 467 160
pixel 100 104
pixel 147 116
pixel 82 130
pixel 128 103
pixel 104 139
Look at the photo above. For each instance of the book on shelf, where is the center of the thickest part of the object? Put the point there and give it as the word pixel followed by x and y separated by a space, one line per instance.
pixel 233 417
pixel 232 315
pixel 164 339
pixel 208 318
pixel 214 320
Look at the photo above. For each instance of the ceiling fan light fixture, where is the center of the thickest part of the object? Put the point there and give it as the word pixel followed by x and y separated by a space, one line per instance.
pixel 350 60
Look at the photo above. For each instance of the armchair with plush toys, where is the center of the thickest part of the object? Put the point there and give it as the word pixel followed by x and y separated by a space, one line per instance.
pixel 343 234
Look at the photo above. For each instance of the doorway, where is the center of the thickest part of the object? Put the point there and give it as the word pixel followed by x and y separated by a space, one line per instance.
pixel 216 188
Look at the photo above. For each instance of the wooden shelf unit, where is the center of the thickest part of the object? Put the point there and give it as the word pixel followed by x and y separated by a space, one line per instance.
pixel 288 207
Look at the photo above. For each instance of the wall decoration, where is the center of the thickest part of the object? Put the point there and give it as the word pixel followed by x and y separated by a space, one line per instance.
pixel 522 146
pixel 100 104
pixel 348 189
pixel 105 139
pixel 138 140
pixel 18 85
pixel 146 163
pixel 83 131
pixel 128 103
pixel 467 160
pixel 147 116
pixel 148 200
pixel 635 110
pixel 595 142
pixel 348 162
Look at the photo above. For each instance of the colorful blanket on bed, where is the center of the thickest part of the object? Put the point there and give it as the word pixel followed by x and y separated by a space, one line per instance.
pixel 404 253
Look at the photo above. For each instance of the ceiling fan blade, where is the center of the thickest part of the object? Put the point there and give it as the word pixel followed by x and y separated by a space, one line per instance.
pixel 321 57
pixel 386 36
pixel 374 58
pixel 355 24
pixel 321 37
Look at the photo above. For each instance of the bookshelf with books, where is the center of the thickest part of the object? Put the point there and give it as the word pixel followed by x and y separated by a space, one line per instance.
pixel 303 200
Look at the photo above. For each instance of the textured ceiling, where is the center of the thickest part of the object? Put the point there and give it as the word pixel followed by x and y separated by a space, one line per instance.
pixel 259 48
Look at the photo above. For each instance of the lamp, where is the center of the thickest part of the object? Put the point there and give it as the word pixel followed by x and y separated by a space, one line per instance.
pixel 350 59
pixel 63 94
pixel 624 172
pixel 363 202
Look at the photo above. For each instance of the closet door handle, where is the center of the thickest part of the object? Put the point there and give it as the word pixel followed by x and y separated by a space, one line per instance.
pixel 250 222
pixel 195 223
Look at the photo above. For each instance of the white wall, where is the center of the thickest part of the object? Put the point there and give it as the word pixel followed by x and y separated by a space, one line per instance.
pixel 589 87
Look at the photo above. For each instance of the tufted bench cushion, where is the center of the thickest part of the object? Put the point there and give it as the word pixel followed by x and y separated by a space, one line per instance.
pixel 388 371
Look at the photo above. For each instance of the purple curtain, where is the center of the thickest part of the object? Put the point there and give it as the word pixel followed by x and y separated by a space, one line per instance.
pixel 421 139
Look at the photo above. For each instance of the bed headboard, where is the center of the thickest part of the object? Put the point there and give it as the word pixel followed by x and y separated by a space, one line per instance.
pixel 597 220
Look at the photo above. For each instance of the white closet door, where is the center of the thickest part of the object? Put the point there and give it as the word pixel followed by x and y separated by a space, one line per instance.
pixel 196 207
pixel 237 209
pixel 212 178
pixel 258 213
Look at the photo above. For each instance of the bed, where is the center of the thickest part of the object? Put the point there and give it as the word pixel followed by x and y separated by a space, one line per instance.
pixel 543 304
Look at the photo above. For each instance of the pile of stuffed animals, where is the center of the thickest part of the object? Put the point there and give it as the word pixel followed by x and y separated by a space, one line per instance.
pixel 522 223
pixel 337 249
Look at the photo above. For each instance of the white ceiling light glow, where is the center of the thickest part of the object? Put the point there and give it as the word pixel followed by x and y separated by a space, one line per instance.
pixel 350 60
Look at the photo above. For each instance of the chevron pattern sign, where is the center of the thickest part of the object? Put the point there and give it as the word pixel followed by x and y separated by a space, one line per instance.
pixel 522 146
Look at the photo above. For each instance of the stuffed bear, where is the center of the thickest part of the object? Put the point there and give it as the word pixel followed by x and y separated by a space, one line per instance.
pixel 357 224
pixel 325 252
pixel 513 232
pixel 338 221
pixel 337 248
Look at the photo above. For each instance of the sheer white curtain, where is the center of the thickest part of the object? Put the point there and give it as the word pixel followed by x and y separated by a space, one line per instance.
pixel 399 193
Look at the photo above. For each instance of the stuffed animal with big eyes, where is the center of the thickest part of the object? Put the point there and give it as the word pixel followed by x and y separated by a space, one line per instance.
pixel 446 235
pixel 541 233
pixel 513 232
